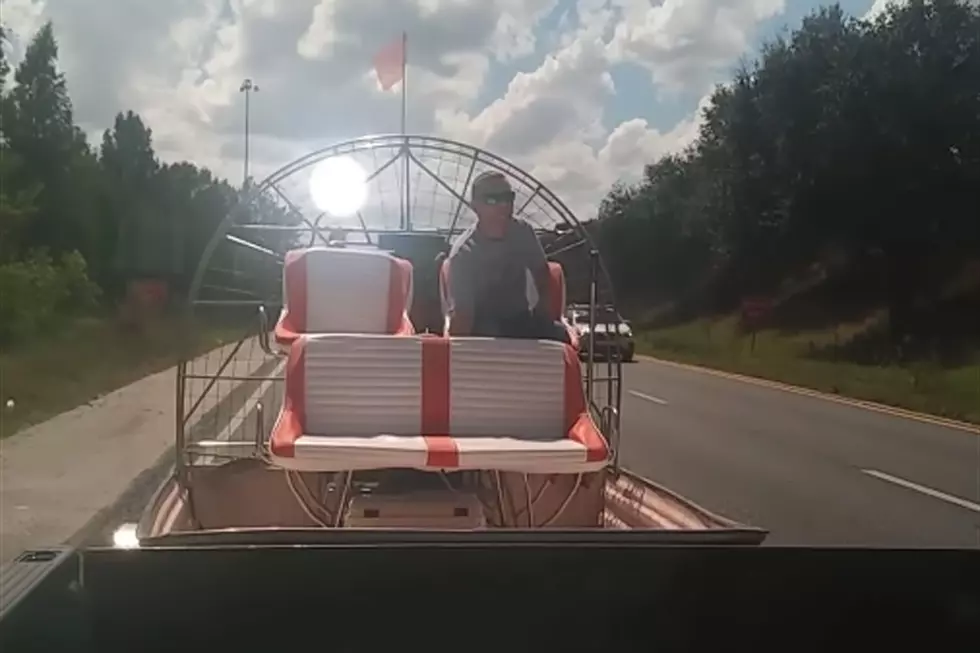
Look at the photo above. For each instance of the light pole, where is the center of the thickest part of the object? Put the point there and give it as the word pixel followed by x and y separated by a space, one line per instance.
pixel 247 87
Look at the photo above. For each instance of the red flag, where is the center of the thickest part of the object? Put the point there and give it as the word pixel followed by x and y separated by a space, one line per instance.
pixel 389 63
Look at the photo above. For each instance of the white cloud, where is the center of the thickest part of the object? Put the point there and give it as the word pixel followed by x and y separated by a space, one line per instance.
pixel 584 173
pixel 879 7
pixel 560 99
pixel 21 17
pixel 180 64
pixel 687 43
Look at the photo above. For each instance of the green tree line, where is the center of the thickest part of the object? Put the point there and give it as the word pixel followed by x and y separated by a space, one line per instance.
pixel 78 222
pixel 850 151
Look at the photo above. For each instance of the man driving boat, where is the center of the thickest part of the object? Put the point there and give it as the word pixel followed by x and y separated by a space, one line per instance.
pixel 488 268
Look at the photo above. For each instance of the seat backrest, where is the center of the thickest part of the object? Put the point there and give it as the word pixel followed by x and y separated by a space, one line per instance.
pixel 372 385
pixel 557 278
pixel 520 388
pixel 341 290
pixel 559 297
pixel 421 249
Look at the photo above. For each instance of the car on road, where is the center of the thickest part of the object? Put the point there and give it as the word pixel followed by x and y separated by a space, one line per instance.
pixel 612 332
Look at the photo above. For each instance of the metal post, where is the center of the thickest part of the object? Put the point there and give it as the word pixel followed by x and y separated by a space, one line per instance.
pixel 247 87
pixel 245 171
pixel 407 216
pixel 593 290
pixel 181 439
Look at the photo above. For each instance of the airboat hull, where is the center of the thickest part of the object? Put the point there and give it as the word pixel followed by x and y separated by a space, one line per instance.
pixel 251 501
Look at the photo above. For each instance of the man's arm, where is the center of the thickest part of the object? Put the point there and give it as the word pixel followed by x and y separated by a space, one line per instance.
pixel 537 263
pixel 461 292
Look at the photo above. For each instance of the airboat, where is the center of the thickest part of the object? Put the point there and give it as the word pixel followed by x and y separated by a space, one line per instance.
pixel 344 407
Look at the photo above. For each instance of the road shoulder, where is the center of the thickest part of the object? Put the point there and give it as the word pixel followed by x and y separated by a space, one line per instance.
pixel 799 390
pixel 55 477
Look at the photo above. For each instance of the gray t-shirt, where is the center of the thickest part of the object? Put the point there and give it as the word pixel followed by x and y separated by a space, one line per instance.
pixel 488 276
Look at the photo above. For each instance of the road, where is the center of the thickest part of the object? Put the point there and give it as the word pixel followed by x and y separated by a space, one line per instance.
pixel 811 470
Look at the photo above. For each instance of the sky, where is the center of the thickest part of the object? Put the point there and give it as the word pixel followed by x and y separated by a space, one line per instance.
pixel 579 93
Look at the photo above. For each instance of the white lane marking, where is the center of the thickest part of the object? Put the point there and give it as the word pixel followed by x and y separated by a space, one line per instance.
pixel 656 400
pixel 936 494
pixel 239 417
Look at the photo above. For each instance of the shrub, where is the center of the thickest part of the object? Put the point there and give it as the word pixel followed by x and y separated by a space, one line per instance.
pixel 36 293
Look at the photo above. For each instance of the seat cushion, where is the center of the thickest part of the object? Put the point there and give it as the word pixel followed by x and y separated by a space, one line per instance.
pixel 337 290
pixel 428 402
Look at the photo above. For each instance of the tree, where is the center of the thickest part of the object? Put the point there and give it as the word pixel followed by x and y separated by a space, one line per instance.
pixel 68 214
pixel 4 64
pixel 39 127
pixel 130 164
pixel 127 151
pixel 860 139
pixel 17 207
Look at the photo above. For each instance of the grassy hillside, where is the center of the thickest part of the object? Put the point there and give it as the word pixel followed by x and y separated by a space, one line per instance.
pixel 946 390
pixel 839 343
pixel 79 363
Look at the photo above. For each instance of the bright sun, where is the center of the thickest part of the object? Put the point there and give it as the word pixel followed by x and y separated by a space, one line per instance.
pixel 338 185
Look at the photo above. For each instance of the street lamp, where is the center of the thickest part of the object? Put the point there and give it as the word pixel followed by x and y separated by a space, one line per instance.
pixel 247 87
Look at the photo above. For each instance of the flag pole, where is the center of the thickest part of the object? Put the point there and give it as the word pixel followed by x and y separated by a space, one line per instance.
pixel 404 82
pixel 407 211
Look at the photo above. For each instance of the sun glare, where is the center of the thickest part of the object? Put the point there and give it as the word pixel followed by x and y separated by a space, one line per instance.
pixel 338 185
pixel 125 537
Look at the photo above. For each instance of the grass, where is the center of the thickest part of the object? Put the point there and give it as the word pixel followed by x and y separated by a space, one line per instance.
pixel 928 387
pixel 87 359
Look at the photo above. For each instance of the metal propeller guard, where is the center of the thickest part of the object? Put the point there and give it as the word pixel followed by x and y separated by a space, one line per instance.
pixel 417 190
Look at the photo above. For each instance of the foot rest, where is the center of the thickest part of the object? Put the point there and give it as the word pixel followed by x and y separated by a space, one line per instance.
pixel 443 510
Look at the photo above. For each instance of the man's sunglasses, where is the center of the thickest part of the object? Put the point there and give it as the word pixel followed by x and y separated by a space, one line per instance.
pixel 493 199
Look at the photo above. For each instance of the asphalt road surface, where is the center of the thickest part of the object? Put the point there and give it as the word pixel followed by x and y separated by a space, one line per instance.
pixel 810 470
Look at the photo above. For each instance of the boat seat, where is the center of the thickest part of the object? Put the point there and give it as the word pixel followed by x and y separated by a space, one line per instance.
pixel 343 290
pixel 434 403
pixel 556 310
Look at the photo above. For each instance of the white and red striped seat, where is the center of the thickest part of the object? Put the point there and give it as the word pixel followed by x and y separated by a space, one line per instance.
pixel 338 290
pixel 429 402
